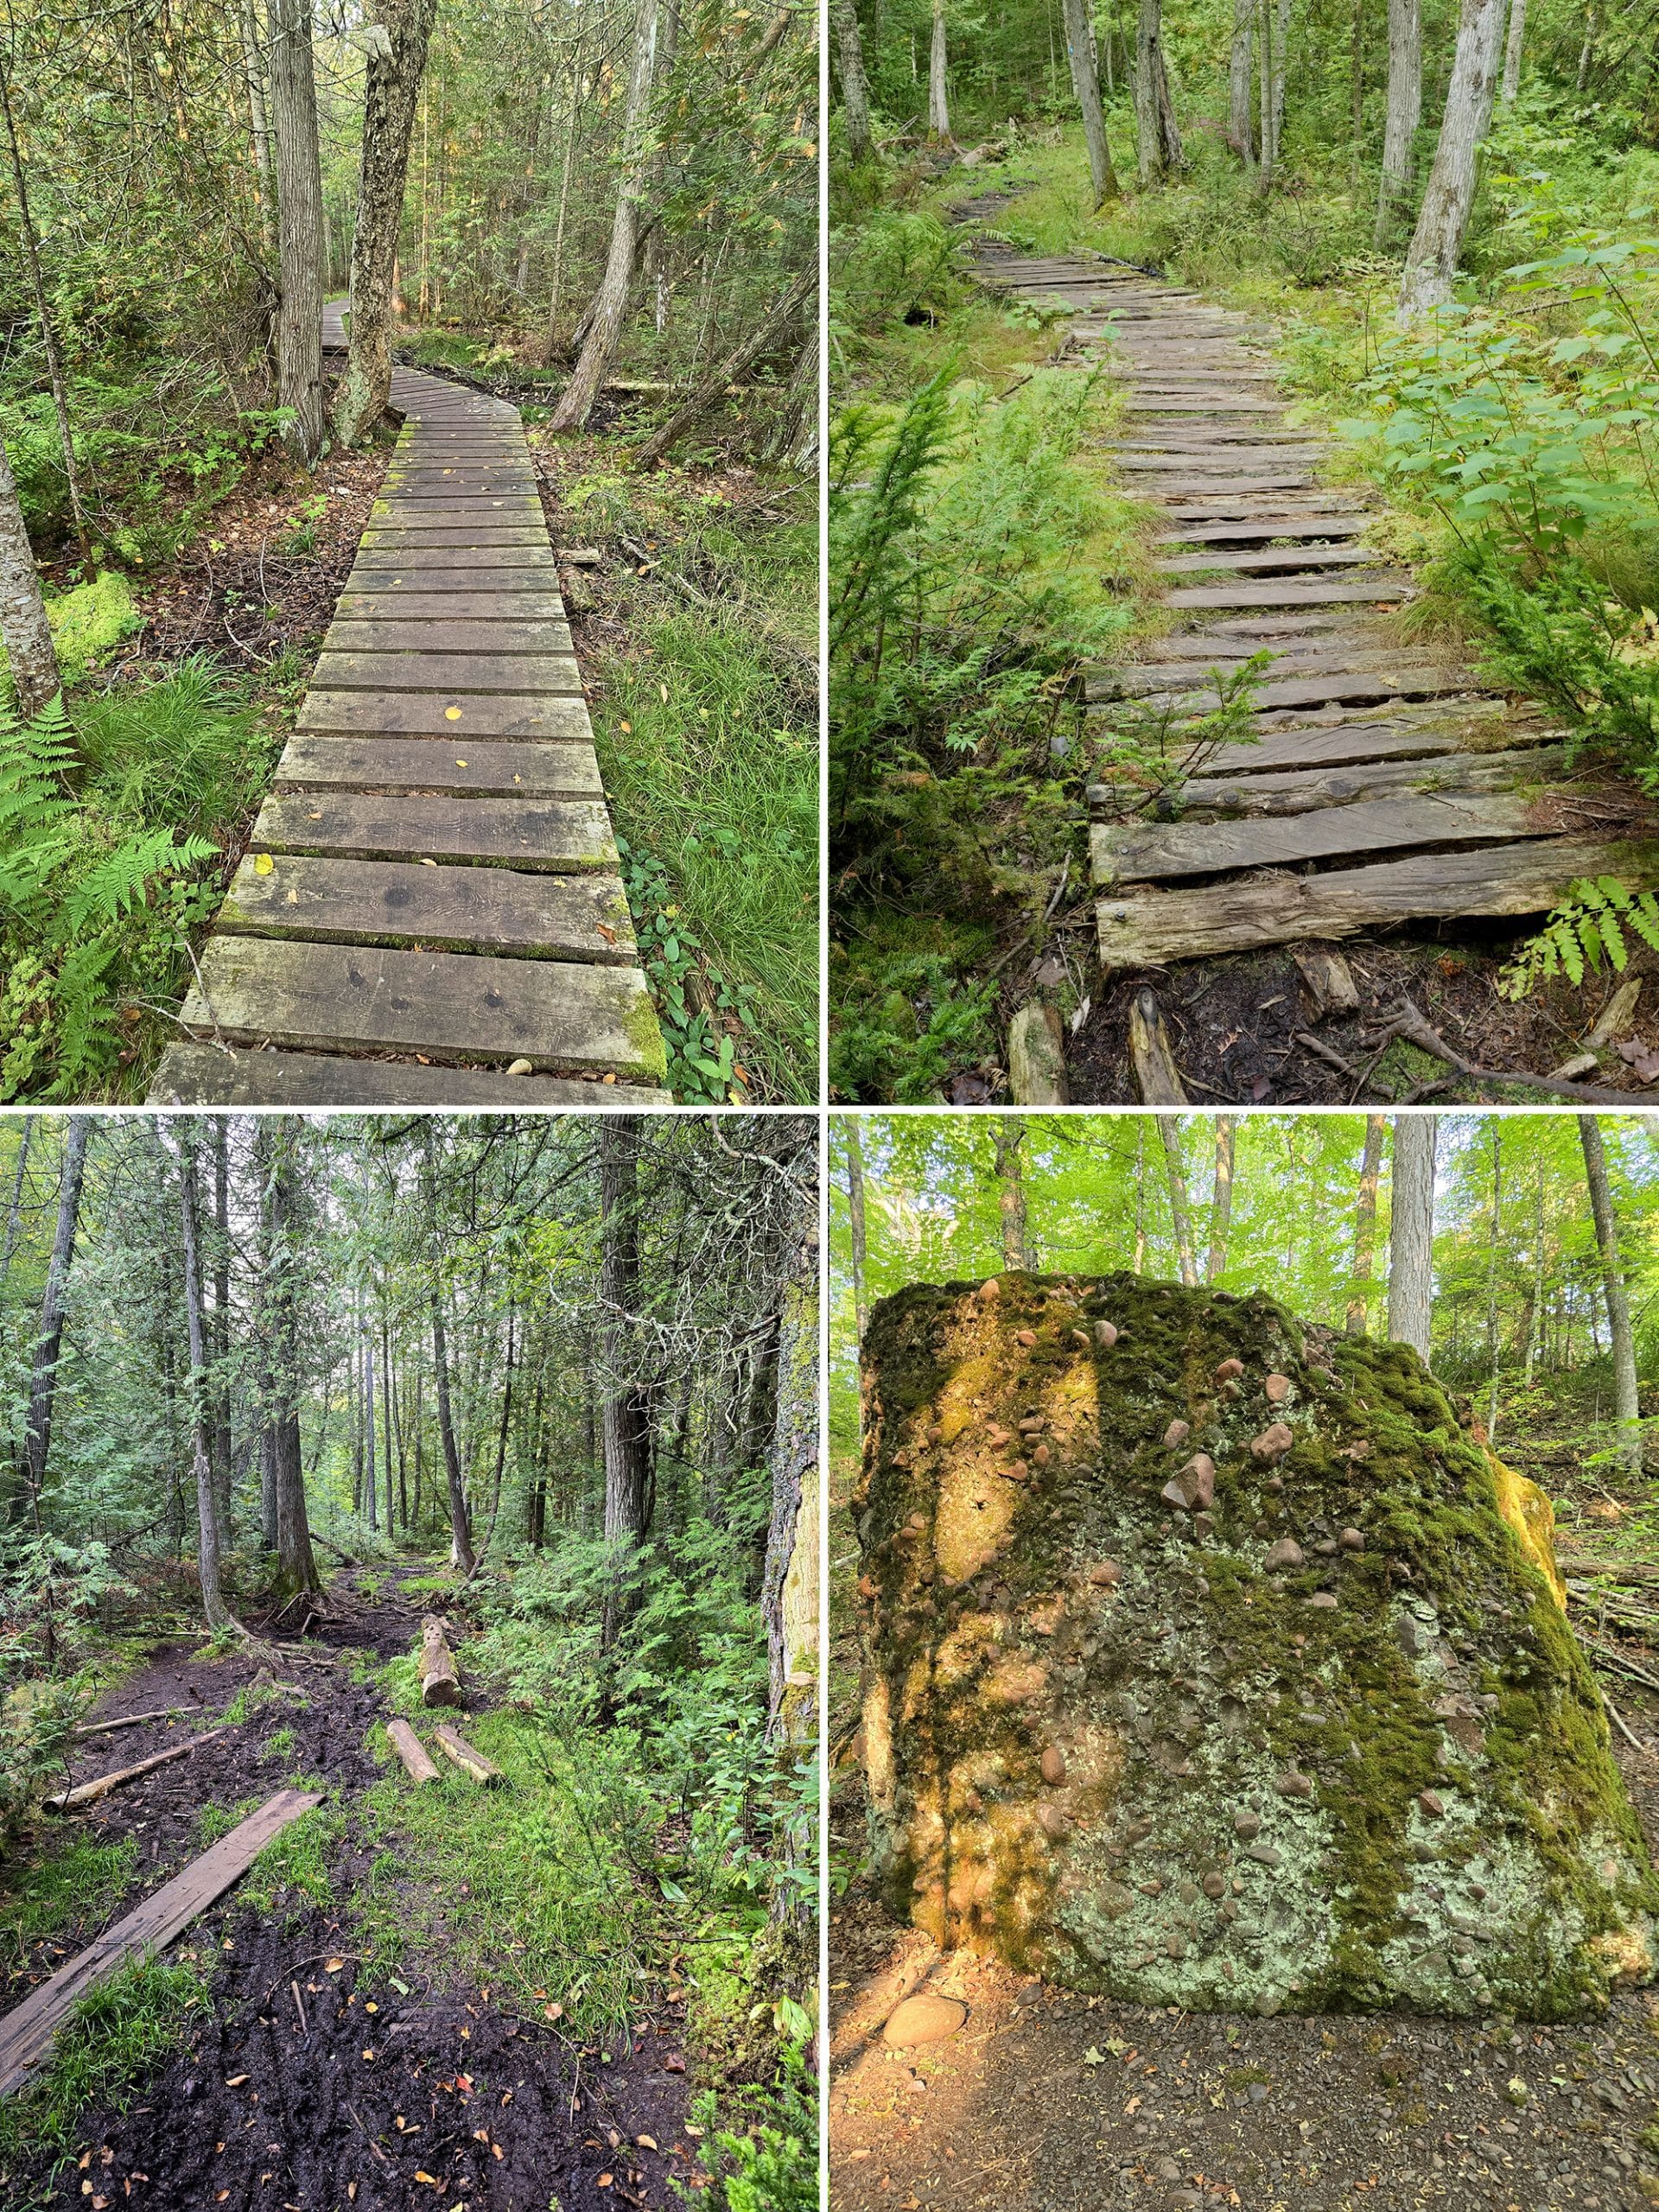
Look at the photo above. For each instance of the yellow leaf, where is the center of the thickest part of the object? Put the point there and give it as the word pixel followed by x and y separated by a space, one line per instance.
pixel 646 2142
pixel 263 864
pixel 461 764
pixel 452 713
pixel 332 1965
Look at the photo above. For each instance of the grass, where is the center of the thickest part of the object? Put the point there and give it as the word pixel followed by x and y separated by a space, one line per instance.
pixel 72 1886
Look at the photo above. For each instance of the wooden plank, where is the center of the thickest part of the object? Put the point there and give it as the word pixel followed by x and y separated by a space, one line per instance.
pixel 489 770
pixel 453 635
pixel 1378 590
pixel 1304 790
pixel 553 834
pixel 85 1793
pixel 1199 459
pixel 443 579
pixel 1149 679
pixel 1157 852
pixel 27 2030
pixel 1396 682
pixel 484 910
pixel 1270 526
pixel 435 567
pixel 205 1075
pixel 393 713
pixel 559 1016
pixel 1267 560
pixel 405 602
pixel 1360 740
pixel 1245 915
pixel 457 672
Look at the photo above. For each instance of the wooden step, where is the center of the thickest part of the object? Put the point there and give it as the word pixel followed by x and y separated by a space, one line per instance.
pixel 1379 587
pixel 1270 560
pixel 1388 663
pixel 426 714
pixel 1243 532
pixel 546 673
pixel 563 836
pixel 1346 743
pixel 205 1075
pixel 1305 790
pixel 450 635
pixel 490 769
pixel 1401 681
pixel 483 910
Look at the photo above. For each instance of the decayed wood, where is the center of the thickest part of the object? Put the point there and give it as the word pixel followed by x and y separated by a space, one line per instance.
pixel 439 1684
pixel 84 1793
pixel 127 1720
pixel 1329 979
pixel 1307 790
pixel 1037 1057
pixel 1156 1076
pixel 410 1750
pixel 469 1759
pixel 26 2032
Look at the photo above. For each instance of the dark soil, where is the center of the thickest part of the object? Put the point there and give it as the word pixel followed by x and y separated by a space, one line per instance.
pixel 380 2098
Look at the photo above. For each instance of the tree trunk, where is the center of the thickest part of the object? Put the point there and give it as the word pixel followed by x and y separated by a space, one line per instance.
pixel 1405 113
pixel 1221 1209
pixel 49 1335
pixel 626 1417
pixel 735 366
pixel 1140 1259
pixel 439 1684
pixel 855 1216
pixel 938 104
pixel 296 1567
pixel 219 1337
pixel 1512 49
pixel 854 85
pixel 217 1612
pixel 1586 52
pixel 1264 91
pixel 1370 1170
pixel 1431 258
pixel 396 58
pixel 789 1601
pixel 301 251
pixel 410 1750
pixel 1492 1281
pixel 1085 82
pixel 1008 1134
pixel 1281 71
pixel 370 1468
pixel 253 70
pixel 1180 1219
pixel 461 1534
pixel 1157 136
pixel 1627 1405
pixel 1241 127
pixel 14 1209
pixel 1411 1231
pixel 610 302
pixel 1535 1308
pixel 31 657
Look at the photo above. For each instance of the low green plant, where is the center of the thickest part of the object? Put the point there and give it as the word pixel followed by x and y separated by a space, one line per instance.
pixel 71 1886
pixel 759 2148
pixel 111 2042
pixel 1587 928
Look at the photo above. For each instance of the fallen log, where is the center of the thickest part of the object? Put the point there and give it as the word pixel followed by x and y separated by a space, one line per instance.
pixel 410 1750
pixel 466 1759
pixel 27 2030
pixel 84 1792
pixel 129 1721
pixel 439 1684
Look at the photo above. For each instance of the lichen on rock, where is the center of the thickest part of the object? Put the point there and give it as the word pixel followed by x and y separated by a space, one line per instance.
pixel 1212 1662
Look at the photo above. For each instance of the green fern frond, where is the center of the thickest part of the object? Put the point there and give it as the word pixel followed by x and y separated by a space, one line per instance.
pixel 1585 929
pixel 119 881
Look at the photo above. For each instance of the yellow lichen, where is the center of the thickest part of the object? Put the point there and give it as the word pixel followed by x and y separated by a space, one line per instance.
pixel 1530 1513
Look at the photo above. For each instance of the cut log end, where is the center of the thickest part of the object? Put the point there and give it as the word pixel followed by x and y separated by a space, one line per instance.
pixel 440 1683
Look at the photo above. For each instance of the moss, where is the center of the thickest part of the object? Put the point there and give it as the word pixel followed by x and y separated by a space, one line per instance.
pixel 1077 1688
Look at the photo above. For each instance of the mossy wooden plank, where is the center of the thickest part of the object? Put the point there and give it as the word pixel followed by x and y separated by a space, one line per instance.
pixel 486 768
pixel 1268 559
pixel 563 836
pixel 1400 679
pixel 1375 590
pixel 205 1075
pixel 1303 790
pixel 1142 679
pixel 529 916
pixel 459 672
pixel 1306 748
pixel 422 713
pixel 562 1016
pixel 1156 852
pixel 1335 527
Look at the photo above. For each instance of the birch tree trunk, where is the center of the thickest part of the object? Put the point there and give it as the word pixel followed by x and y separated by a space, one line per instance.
pixel 855 1216
pixel 1443 220
pixel 31 657
pixel 1411 1231
pixel 1008 1135
pixel 208 1569
pixel 1627 1405
pixel 1181 1218
pixel 1371 1171
pixel 611 300
pixel 397 45
pixel 1220 1208
pixel 854 85
pixel 1512 49
pixel 49 1335
pixel 938 106
pixel 300 254
pixel 789 1596
pixel 1405 113
pixel 1281 63
pixel 1241 124
pixel 1085 82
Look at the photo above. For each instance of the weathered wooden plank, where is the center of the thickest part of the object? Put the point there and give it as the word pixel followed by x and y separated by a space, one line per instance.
pixel 408 602
pixel 1243 916
pixel 27 2030
pixel 468 538
pixel 1269 479
pixel 1358 740
pixel 1399 680
pixel 459 672
pixel 484 910
pixel 435 567
pixel 562 835
pixel 452 634
pixel 1379 589
pixel 1267 560
pixel 206 1076
pixel 423 713
pixel 1147 679
pixel 1270 526
pixel 1303 790
pixel 493 769
pixel 1199 459
pixel 1158 852
pixel 562 1016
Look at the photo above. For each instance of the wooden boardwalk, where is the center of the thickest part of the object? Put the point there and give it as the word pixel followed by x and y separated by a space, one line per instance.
pixel 1384 784
pixel 430 893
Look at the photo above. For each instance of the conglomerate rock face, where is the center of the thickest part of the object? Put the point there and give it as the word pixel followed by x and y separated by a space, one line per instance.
pixel 1204 1668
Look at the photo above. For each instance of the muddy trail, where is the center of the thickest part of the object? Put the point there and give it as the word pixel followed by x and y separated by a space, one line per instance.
pixel 305 2084
pixel 1048 2102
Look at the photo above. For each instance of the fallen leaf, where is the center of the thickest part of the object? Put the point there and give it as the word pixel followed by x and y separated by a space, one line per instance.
pixel 460 764
pixel 604 2182
pixel 235 2081
pixel 452 713
pixel 646 2142
pixel 332 1965
pixel 263 864
pixel 422 2174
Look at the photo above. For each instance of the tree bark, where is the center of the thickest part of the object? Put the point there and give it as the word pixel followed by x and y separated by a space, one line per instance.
pixel 296 1567
pixel 1158 136
pixel 610 302
pixel 855 1218
pixel 625 1415
pixel 1221 1209
pixel 1626 1404
pixel 301 251
pixel 31 657
pixel 731 369
pixel 1008 1134
pixel 410 1750
pixel 938 102
pixel 440 1683
pixel 1443 220
pixel 1085 82
pixel 1241 127
pixel 1405 113
pixel 789 1601
pixel 1411 1231
pixel 1512 49
pixel 219 1335
pixel 253 70
pixel 396 61
pixel 854 85
pixel 461 1534
pixel 1181 1218
pixel 1370 1170
pixel 14 1209
pixel 1491 1280
pixel 217 1612
pixel 49 1335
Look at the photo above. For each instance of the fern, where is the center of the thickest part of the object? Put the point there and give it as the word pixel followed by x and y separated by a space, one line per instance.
pixel 37 810
pixel 1587 927
pixel 119 882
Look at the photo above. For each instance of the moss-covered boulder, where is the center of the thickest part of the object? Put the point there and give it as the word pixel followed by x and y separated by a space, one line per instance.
pixel 1206 1669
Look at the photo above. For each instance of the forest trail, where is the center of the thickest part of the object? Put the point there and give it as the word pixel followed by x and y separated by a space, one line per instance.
pixel 312 2078
pixel 1384 783
pixel 430 893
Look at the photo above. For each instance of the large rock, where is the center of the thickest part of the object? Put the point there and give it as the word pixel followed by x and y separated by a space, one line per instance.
pixel 1318 1737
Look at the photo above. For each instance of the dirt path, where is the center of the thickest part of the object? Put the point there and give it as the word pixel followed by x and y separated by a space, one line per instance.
pixel 1047 2101
pixel 379 2085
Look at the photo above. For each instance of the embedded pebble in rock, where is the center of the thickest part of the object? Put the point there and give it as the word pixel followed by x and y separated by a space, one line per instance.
pixel 923 2019
pixel 1105 1335
pixel 1277 1387
pixel 1257 1794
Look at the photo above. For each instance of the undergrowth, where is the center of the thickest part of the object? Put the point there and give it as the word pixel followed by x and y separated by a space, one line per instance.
pixel 113 2043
